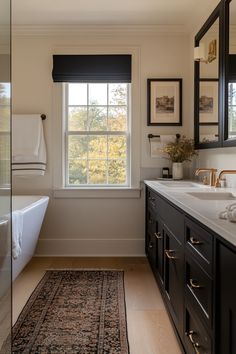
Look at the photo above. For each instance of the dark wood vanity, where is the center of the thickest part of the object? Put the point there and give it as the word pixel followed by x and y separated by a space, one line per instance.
pixel 195 269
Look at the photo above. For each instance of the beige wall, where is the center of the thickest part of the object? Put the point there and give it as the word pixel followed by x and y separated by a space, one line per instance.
pixel 96 226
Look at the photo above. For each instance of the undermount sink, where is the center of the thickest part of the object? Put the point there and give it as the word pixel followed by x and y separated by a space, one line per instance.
pixel 213 195
pixel 180 184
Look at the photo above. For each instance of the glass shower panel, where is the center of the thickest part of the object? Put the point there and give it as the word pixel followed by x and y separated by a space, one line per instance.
pixel 5 177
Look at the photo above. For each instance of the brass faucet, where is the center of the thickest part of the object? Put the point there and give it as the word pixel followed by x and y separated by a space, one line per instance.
pixel 224 172
pixel 212 172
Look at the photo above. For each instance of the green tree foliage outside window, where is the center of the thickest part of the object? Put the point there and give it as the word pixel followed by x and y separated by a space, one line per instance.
pixel 4 134
pixel 232 108
pixel 97 134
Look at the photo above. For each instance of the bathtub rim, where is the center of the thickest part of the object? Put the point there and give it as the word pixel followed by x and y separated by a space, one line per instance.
pixel 40 199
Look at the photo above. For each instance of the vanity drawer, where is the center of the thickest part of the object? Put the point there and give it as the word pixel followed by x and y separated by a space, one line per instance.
pixel 200 243
pixel 196 338
pixel 198 288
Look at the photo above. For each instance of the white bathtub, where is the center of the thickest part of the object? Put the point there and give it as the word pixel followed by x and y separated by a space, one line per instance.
pixel 33 208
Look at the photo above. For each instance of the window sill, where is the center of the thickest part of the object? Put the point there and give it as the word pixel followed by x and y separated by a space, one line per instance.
pixel 93 193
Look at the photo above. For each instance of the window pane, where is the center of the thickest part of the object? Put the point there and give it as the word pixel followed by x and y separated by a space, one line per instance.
pixel 78 146
pixel 232 93
pixel 116 147
pixel 4 107
pixel 116 172
pixel 97 171
pixel 97 119
pixel 117 118
pixel 5 93
pixel 97 147
pixel 77 171
pixel 5 159
pixel 232 110
pixel 4 118
pixel 77 118
pixel 117 94
pixel 77 94
pixel 232 121
pixel 98 94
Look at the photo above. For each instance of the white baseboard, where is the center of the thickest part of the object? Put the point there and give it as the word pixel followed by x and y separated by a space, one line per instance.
pixel 91 247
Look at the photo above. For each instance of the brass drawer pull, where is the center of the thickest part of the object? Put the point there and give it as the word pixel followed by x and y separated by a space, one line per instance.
pixel 152 199
pixel 194 241
pixel 194 344
pixel 194 285
pixel 158 235
pixel 168 254
pixel 150 245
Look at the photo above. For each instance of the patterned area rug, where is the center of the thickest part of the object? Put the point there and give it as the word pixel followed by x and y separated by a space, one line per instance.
pixel 74 311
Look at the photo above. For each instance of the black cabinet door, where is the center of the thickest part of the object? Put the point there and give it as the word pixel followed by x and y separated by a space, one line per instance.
pixel 151 249
pixel 226 320
pixel 159 234
pixel 173 277
pixel 196 339
pixel 154 243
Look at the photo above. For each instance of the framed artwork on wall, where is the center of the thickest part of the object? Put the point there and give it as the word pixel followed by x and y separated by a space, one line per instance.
pixel 164 100
pixel 208 102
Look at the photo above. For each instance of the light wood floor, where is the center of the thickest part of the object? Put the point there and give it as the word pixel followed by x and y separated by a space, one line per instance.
pixel 149 328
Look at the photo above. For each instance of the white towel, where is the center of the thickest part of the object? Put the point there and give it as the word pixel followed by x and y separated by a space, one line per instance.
pixel 26 134
pixel 28 145
pixel 158 145
pixel 208 137
pixel 229 213
pixel 165 139
pixel 17 231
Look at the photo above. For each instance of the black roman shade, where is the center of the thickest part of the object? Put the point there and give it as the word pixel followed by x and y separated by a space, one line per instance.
pixel 92 68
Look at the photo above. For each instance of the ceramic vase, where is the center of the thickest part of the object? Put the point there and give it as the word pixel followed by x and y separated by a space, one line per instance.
pixel 177 170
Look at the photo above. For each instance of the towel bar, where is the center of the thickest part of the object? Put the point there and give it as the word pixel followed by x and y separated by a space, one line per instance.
pixel 150 136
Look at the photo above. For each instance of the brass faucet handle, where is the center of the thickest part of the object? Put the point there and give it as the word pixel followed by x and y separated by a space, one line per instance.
pixel 217 183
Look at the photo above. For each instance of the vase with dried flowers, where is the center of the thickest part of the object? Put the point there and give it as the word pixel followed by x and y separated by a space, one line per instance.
pixel 179 151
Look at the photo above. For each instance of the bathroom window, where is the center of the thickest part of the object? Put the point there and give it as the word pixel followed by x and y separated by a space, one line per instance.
pixel 5 134
pixel 97 134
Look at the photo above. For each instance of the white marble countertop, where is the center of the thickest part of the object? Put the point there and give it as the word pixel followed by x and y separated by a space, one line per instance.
pixel 205 211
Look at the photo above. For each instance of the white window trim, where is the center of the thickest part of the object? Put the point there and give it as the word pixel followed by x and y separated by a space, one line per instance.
pixel 58 132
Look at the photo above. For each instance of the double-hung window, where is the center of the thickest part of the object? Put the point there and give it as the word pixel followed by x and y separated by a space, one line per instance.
pixel 97 134
pixel 97 124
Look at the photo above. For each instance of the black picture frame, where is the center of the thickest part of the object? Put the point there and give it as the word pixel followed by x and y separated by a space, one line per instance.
pixel 210 88
pixel 166 109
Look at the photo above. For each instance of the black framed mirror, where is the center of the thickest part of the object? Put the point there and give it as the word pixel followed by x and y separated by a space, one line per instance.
pixel 208 71
pixel 229 73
